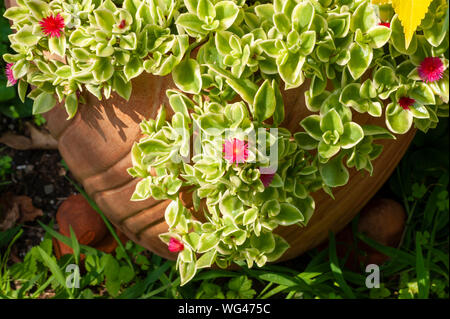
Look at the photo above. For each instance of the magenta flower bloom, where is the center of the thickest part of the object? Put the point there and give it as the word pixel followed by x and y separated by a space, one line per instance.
pixel 236 151
pixel 122 24
pixel 9 74
pixel 175 245
pixel 266 179
pixel 431 69
pixel 405 102
pixel 385 24
pixel 52 26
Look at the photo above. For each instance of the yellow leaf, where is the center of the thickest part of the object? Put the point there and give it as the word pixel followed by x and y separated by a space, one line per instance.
pixel 381 1
pixel 410 13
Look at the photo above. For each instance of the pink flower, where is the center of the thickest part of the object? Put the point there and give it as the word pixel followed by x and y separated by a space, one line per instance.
pixel 175 245
pixel 405 102
pixel 236 151
pixel 385 24
pixel 9 74
pixel 266 179
pixel 52 25
pixel 122 24
pixel 431 69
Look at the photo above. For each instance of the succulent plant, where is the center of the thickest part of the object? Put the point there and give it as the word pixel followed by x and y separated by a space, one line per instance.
pixel 97 46
pixel 231 61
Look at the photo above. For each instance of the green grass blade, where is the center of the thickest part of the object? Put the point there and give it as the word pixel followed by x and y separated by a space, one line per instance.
pixel 440 256
pixel 318 268
pixel 28 285
pixel 75 245
pixel 4 260
pixel 354 278
pixel 394 253
pixel 66 240
pixel 176 282
pixel 105 220
pixel 276 278
pixel 7 235
pixel 336 270
pixel 280 279
pixel 423 279
pixel 397 255
pixel 280 269
pixel 212 274
pixel 43 287
pixel 274 291
pixel 53 266
pixel 139 288
pixel 291 294
pixel 308 276
pixel 267 287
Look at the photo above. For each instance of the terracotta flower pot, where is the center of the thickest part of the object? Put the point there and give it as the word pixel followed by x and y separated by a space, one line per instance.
pixel 96 146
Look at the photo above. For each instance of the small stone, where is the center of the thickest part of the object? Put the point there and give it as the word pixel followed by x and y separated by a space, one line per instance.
pixel 62 171
pixel 29 169
pixel 48 189
pixel 382 220
pixel 87 225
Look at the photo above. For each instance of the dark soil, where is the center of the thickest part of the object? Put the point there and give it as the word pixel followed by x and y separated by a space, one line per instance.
pixel 38 174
